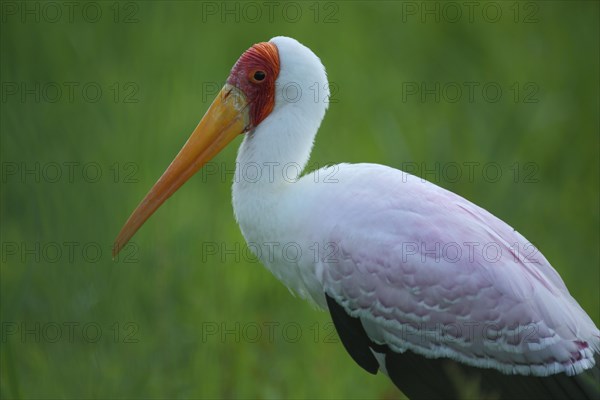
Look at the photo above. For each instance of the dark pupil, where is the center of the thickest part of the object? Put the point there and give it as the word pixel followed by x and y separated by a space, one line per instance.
pixel 259 75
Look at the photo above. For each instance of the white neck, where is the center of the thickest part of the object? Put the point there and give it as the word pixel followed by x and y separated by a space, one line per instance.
pixel 276 152
pixel 273 156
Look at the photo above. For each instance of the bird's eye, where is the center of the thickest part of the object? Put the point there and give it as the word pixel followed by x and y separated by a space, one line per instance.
pixel 259 76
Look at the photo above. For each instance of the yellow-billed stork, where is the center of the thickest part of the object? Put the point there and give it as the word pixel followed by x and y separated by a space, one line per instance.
pixel 399 304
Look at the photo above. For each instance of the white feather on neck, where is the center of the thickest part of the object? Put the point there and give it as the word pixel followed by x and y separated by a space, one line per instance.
pixel 272 156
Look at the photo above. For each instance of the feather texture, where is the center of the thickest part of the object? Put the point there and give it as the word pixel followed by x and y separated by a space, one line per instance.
pixel 419 277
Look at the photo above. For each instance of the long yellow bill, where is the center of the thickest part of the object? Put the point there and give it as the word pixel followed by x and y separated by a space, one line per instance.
pixel 226 118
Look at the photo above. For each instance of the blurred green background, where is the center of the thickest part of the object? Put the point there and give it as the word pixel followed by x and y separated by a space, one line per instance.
pixel 185 311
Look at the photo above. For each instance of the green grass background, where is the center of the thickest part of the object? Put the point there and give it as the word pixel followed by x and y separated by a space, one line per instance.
pixel 173 292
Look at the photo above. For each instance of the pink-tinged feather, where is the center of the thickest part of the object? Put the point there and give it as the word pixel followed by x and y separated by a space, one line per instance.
pixel 513 313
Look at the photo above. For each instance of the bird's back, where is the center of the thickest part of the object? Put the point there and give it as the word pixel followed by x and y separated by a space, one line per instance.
pixel 428 271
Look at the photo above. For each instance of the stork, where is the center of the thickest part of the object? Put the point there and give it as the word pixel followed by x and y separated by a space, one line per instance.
pixel 397 261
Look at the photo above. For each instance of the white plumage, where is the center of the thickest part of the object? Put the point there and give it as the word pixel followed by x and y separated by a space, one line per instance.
pixel 404 266
pixel 368 227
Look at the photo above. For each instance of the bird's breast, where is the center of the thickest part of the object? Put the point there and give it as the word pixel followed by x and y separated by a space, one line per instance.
pixel 274 227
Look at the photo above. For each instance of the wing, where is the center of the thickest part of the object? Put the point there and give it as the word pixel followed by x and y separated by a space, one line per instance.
pixel 427 271
pixel 441 378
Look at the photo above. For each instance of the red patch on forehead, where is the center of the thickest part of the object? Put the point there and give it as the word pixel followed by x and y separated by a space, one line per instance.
pixel 259 61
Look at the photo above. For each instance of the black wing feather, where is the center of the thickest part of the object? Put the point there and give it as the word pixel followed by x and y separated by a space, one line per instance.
pixel 419 377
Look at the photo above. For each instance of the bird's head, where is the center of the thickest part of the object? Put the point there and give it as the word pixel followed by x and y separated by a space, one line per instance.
pixel 269 80
pixel 254 76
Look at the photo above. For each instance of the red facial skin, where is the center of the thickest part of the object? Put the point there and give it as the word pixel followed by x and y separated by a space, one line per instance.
pixel 260 94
